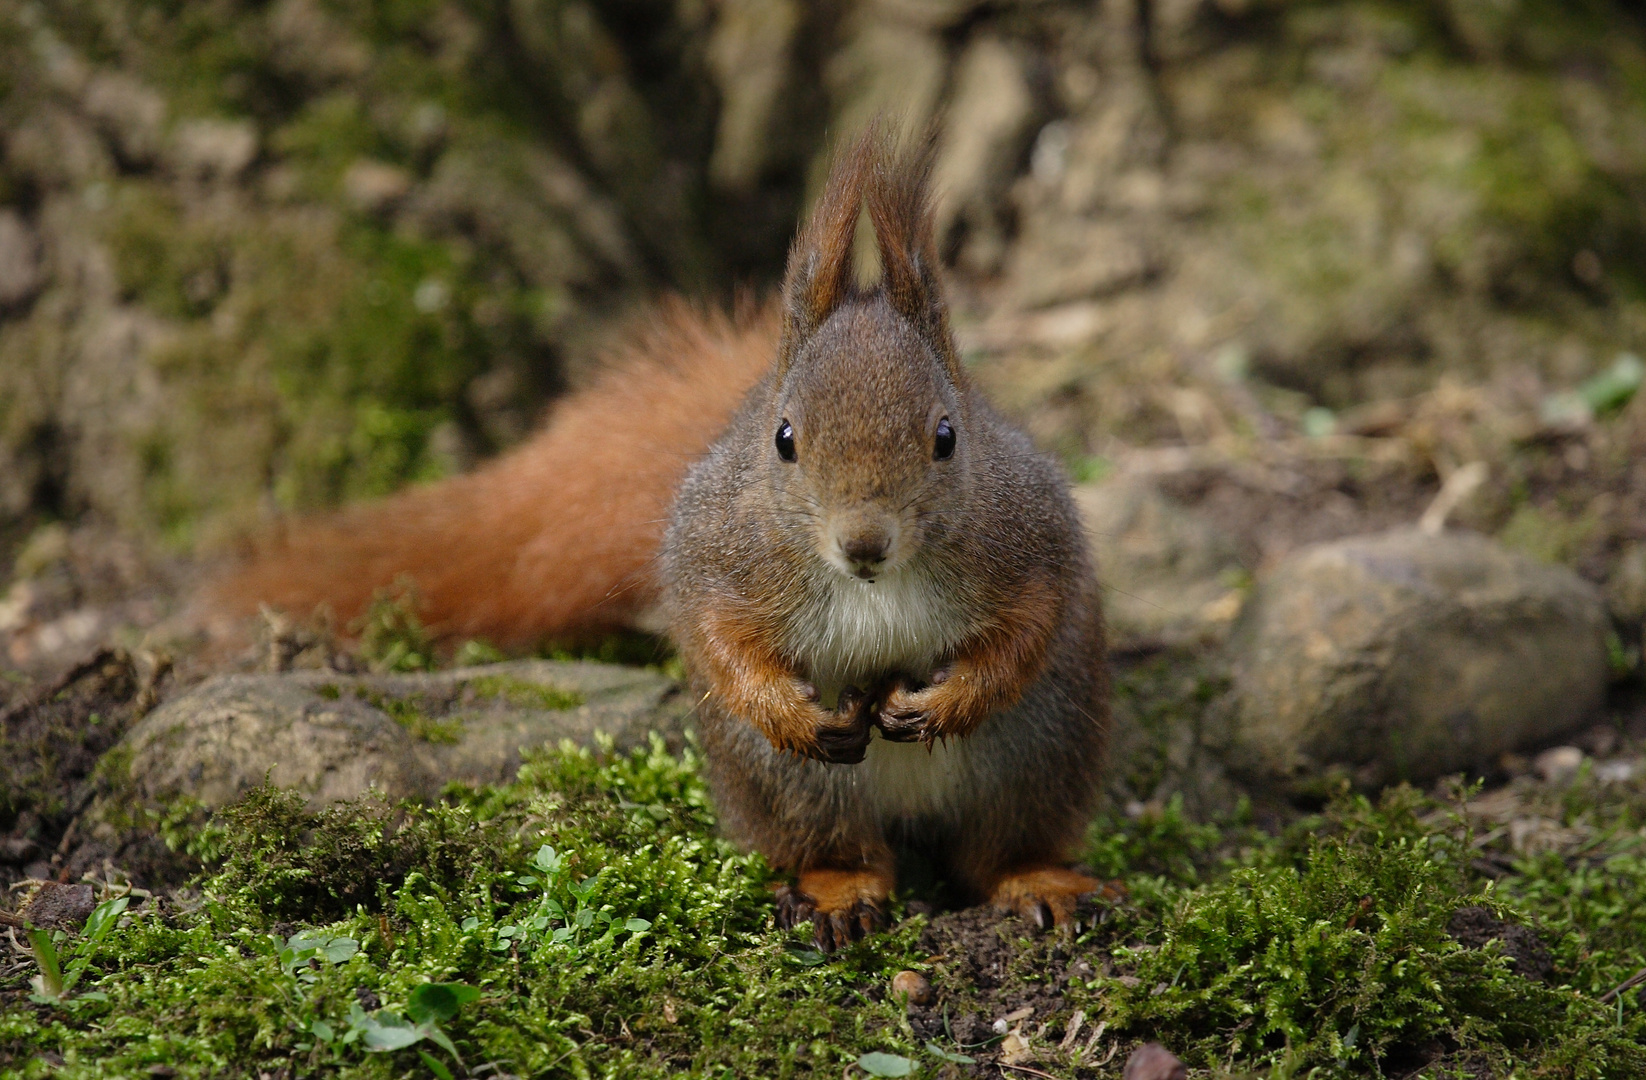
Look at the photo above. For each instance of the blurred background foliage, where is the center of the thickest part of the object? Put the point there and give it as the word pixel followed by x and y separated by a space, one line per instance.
pixel 261 257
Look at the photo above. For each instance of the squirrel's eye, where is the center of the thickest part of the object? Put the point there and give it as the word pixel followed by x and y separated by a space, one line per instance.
pixel 944 446
pixel 785 441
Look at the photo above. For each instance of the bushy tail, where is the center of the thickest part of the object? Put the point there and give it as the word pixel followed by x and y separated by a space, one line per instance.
pixel 555 539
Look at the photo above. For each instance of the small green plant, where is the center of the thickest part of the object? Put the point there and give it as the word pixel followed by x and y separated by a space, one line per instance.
pixel 384 1030
pixel 300 949
pixel 392 637
pixel 547 874
pixel 882 1064
pixel 475 652
pixel 62 963
pixel 948 1056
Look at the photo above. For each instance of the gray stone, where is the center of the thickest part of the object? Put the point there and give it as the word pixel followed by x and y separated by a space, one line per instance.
pixel 214 149
pixel 19 260
pixel 334 736
pixel 129 113
pixel 1170 575
pixel 1407 656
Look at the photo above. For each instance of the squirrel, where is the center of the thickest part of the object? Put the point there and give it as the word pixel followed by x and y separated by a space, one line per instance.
pixel 879 589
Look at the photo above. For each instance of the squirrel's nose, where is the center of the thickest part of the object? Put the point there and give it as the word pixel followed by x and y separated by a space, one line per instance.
pixel 865 550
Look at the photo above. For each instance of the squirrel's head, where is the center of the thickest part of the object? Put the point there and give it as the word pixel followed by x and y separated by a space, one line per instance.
pixel 869 429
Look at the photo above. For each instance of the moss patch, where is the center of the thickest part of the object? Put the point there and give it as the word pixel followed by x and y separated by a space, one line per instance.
pixel 412 713
pixel 609 932
pixel 527 695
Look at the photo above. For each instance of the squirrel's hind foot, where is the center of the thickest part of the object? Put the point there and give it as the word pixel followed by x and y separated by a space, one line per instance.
pixel 843 906
pixel 1044 894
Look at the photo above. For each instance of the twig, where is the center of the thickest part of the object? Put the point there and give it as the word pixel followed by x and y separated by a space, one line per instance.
pixel 1453 492
pixel 8 919
pixel 1025 1068
pixel 1627 984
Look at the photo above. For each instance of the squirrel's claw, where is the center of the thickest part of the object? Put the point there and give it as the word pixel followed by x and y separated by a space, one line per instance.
pixel 830 929
pixel 837 929
pixel 902 727
pixel 793 907
pixel 902 717
pixel 1047 896
pixel 843 738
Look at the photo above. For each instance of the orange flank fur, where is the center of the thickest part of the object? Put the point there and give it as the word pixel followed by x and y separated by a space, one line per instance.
pixel 555 539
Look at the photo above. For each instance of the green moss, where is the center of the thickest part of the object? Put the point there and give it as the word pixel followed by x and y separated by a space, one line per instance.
pixel 1328 946
pixel 527 695
pixel 409 713
pixel 1545 534
pixel 624 647
pixel 392 637
pixel 475 652
pixel 612 933
pixel 653 956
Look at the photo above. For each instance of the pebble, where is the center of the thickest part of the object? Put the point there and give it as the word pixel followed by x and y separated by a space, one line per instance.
pixel 1616 772
pixel 912 987
pixel 1559 765
pixel 1151 1061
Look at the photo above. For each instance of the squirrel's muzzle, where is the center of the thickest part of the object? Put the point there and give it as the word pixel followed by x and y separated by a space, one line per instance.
pixel 863 545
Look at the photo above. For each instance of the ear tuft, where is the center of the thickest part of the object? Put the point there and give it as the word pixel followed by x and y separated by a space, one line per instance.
pixel 899 204
pixel 819 275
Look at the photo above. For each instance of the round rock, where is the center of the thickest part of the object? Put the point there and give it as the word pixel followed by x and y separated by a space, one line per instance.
pixel 912 987
pixel 1406 656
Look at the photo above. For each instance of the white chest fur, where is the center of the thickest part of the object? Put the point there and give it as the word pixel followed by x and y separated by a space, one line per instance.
pixel 908 780
pixel 864 630
pixel 859 633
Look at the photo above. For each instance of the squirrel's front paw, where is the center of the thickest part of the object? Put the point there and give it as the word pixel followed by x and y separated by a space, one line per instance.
pixel 842 737
pixel 906 713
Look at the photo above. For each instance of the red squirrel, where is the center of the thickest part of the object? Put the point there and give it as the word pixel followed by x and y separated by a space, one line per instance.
pixel 880 591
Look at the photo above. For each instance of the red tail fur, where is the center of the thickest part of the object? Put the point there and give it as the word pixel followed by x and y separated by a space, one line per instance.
pixel 555 539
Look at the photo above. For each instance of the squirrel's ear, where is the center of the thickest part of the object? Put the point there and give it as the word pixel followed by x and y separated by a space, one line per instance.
pixel 819 275
pixel 899 201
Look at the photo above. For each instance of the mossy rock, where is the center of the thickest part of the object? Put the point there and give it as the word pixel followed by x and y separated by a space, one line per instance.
pixel 334 737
